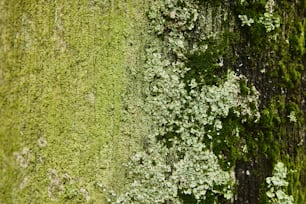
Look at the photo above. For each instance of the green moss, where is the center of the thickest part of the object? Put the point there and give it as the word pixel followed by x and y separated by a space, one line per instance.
pixel 267 118
pixel 61 90
pixel 243 87
pixel 297 38
pixel 290 74
pixel 204 66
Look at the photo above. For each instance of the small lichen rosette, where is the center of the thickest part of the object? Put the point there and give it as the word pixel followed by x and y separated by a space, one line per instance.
pixel 277 185
pixel 199 173
pixel 172 16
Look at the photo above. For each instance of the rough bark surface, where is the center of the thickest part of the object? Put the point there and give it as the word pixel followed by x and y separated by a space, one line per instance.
pixel 71 98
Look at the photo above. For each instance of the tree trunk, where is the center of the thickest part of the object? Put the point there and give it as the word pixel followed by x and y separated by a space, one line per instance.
pixel 65 68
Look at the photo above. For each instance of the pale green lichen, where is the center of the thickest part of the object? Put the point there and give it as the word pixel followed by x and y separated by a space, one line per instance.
pixel 268 19
pixel 245 20
pixel 179 162
pixel 292 117
pixel 277 185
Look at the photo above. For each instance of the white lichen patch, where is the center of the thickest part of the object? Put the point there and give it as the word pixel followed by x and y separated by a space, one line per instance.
pixel 24 183
pixel 85 193
pixel 42 142
pixel 91 97
pixel 23 157
pixel 64 184
pixel 55 184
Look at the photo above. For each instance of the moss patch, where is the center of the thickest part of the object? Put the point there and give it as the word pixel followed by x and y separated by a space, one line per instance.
pixel 65 69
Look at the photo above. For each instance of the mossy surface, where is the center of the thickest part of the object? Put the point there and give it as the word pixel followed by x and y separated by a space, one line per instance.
pixel 67 65
pixel 67 70
pixel 275 63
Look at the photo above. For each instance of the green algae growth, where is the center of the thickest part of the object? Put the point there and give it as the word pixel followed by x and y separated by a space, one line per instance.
pixel 64 71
